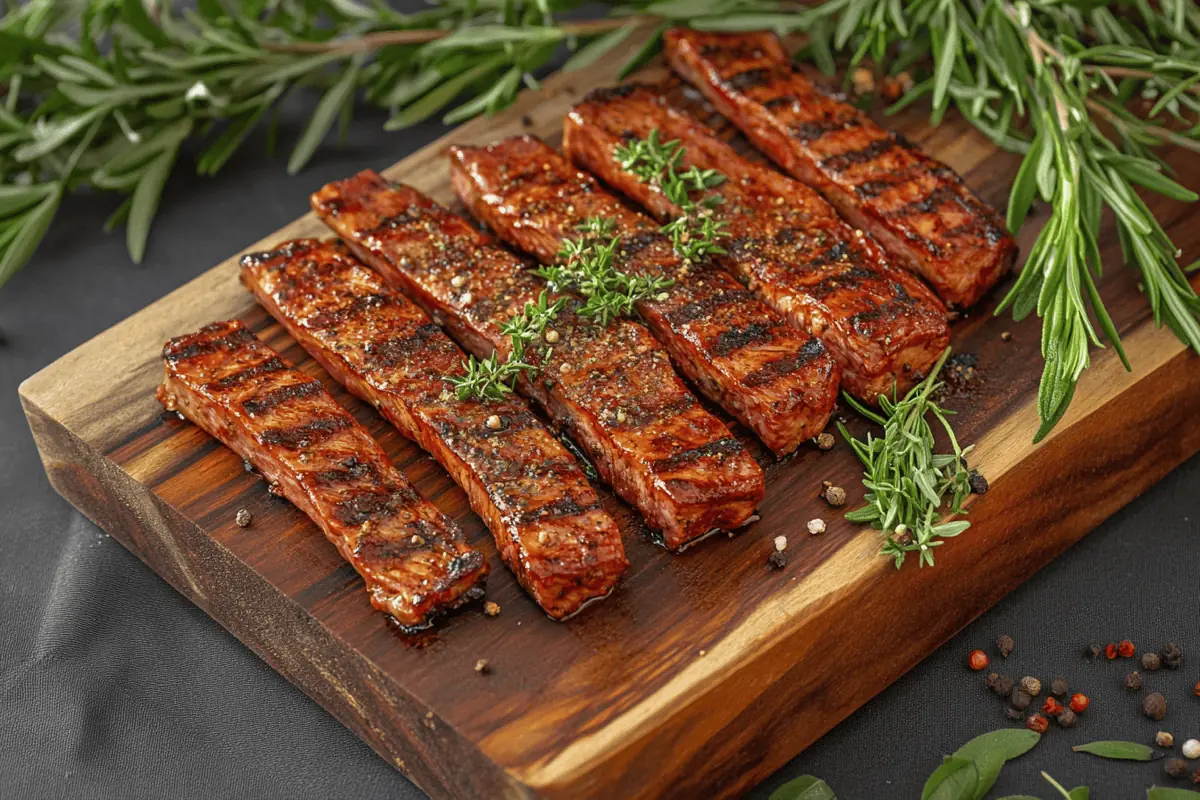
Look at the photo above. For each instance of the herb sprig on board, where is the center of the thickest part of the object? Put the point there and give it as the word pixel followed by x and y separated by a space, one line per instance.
pixel 694 233
pixel 585 266
pixel 492 379
pixel 907 481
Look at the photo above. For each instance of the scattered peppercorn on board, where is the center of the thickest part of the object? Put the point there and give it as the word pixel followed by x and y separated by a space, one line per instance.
pixel 704 672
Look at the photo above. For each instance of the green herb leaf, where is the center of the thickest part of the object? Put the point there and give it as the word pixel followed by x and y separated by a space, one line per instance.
pixel 27 233
pixel 1009 742
pixel 594 50
pixel 1122 751
pixel 1168 793
pixel 322 119
pixel 955 779
pixel 806 787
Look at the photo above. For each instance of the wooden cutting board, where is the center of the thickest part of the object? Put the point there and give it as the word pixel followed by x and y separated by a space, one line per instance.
pixel 705 671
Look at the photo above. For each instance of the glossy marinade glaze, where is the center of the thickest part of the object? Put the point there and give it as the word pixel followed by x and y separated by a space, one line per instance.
pixel 884 326
pixel 414 560
pixel 777 380
pixel 916 206
pixel 611 388
pixel 525 485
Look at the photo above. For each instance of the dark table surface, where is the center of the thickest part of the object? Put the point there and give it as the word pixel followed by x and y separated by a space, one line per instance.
pixel 112 685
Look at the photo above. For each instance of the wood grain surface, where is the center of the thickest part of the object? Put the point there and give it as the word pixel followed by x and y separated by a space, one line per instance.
pixel 705 671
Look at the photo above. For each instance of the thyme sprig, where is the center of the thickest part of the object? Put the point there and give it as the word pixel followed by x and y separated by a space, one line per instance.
pixel 907 481
pixel 694 233
pixel 492 379
pixel 585 266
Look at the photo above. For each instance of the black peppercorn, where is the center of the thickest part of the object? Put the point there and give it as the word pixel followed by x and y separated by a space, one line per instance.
pixel 777 559
pixel 1151 662
pixel 1004 645
pixel 1066 718
pixel 1133 681
pixel 1171 655
pixel 1002 685
pixel 1092 652
pixel 1013 713
pixel 1020 699
pixel 1059 687
pixel 978 483
pixel 1154 706
pixel 1176 768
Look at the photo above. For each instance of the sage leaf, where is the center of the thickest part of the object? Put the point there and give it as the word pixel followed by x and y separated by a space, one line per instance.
pixel 1121 751
pixel 1011 742
pixel 956 779
pixel 1167 793
pixel 987 766
pixel 1019 797
pixel 806 787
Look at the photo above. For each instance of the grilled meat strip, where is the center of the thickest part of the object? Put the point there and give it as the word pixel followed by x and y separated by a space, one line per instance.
pixel 413 559
pixel 524 484
pixel 916 206
pixel 884 326
pixel 778 381
pixel 611 388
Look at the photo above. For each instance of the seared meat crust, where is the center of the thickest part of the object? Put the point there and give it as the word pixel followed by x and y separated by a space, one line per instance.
pixel 611 388
pixel 916 206
pixel 414 560
pixel 525 485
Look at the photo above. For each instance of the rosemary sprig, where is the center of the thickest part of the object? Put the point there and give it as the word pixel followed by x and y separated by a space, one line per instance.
pixel 1058 82
pixel 907 482
pixel 694 233
pixel 493 379
pixel 585 266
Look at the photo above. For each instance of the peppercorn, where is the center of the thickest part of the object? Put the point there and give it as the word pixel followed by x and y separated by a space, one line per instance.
pixel 1126 649
pixel 1191 748
pixel 1079 702
pixel 1151 662
pixel 777 560
pixel 1110 651
pixel 1002 685
pixel 977 482
pixel 1092 652
pixel 1176 768
pixel 1052 708
pixel 491 609
pixel 1020 699
pixel 1031 686
pixel 1037 723
pixel 1005 336
pixel 1171 655
pixel 1066 718
pixel 1059 687
pixel 1164 739
pixel 1154 706
pixel 243 518
pixel 481 666
pixel 1004 645
pixel 977 660
pixel 1133 681
pixel 835 496
pixel 825 441
pixel 1013 713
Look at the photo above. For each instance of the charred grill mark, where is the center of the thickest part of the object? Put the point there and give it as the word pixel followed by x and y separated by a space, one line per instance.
pixel 352 470
pixel 812 130
pixel 356 308
pixel 257 405
pixel 702 309
pixel 631 246
pixel 175 351
pixel 735 338
pixel 783 101
pixel 265 367
pixel 308 434
pixel 399 350
pixel 718 448
pixel 928 204
pixel 832 255
pixel 773 371
pixel 758 76
pixel 565 506
pixel 286 251
pixel 843 161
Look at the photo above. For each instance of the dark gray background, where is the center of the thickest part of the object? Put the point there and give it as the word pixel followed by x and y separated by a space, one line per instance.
pixel 114 686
